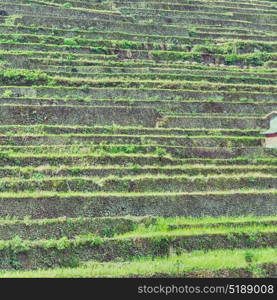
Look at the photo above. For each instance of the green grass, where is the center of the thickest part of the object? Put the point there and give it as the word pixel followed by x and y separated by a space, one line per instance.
pixel 211 220
pixel 46 194
pixel 125 57
pixel 162 230
pixel 174 265
pixel 142 232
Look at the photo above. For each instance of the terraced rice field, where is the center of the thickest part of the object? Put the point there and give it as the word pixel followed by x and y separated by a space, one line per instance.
pixel 130 140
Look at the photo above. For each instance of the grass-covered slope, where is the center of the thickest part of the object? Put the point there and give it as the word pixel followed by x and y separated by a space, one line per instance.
pixel 130 140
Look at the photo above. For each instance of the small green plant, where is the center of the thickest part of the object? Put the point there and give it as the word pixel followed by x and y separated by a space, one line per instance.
pixel 257 59
pixel 70 42
pixel 10 20
pixel 108 231
pixel 67 5
pixel 70 58
pixel 7 94
pixel 75 171
pixel 160 151
pixel 87 99
pixel 249 257
pixel 231 59
pixel 18 245
pixel 192 32
pixel 135 167
pixel 39 176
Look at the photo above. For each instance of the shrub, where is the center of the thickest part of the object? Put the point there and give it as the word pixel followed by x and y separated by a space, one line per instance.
pixel 160 151
pixel 67 5
pixel 7 94
pixel 23 77
pixel 70 42
pixel 231 59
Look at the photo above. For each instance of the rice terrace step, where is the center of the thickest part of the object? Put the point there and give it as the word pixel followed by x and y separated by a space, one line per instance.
pixel 138 138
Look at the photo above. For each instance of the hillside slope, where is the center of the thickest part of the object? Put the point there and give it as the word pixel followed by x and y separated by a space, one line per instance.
pixel 131 130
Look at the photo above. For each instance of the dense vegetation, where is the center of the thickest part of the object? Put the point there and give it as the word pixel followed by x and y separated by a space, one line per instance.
pixel 131 138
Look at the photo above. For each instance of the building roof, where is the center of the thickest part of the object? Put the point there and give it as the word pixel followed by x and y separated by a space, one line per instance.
pixel 273 124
